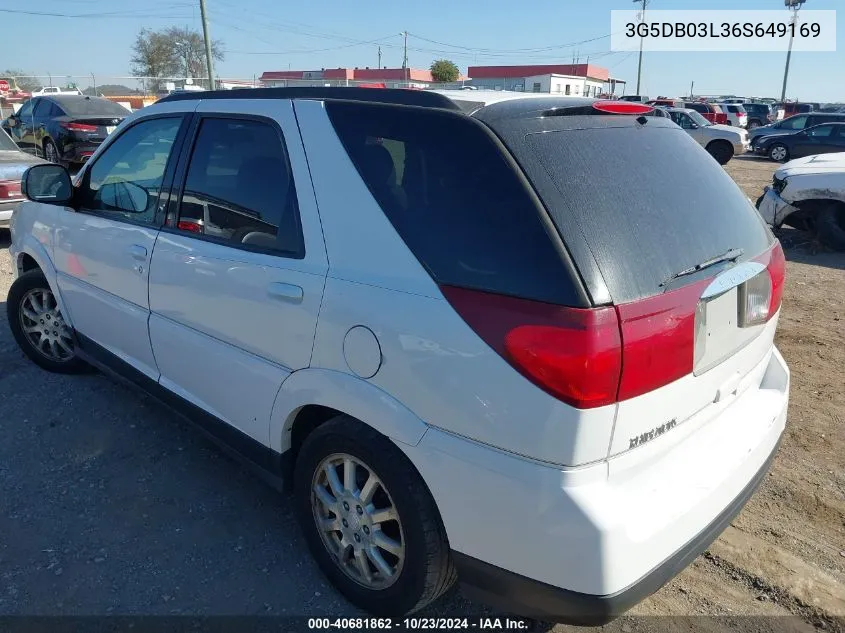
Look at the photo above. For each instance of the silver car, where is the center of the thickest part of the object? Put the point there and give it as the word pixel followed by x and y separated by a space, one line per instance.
pixel 722 141
pixel 13 163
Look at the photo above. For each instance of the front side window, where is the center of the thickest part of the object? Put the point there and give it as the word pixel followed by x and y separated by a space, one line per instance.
pixel 26 108
pixel 126 180
pixel 239 187
pixel 795 123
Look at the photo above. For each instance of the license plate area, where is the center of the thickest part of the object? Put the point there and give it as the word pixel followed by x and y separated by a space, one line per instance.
pixel 718 334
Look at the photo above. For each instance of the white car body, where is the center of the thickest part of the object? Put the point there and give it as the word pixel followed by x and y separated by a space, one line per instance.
pixel 738 119
pixel 55 90
pixel 595 503
pixel 704 135
pixel 812 178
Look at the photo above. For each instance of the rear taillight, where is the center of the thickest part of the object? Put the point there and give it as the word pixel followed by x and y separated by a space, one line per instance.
pixel 10 189
pixel 622 107
pixel 658 334
pixel 594 357
pixel 78 127
pixel 574 354
pixel 188 225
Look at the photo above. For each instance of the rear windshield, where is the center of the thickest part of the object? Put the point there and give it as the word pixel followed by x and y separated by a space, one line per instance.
pixel 84 106
pixel 648 201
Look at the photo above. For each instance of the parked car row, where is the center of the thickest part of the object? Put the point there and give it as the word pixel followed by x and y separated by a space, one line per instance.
pixel 323 279
pixel 800 135
pixel 64 128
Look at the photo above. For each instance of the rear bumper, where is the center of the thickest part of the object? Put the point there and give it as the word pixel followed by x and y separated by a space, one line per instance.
pixel 523 596
pixel 6 210
pixel 584 544
pixel 78 151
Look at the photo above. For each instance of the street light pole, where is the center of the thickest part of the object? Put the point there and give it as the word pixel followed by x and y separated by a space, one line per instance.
pixel 794 5
pixel 207 38
pixel 640 63
pixel 405 58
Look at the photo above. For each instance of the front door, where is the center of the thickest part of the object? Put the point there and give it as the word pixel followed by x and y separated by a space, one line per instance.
pixel 21 132
pixel 103 249
pixel 238 272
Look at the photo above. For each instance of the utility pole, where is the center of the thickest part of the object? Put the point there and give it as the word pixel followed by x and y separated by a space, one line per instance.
pixel 405 58
pixel 207 38
pixel 691 87
pixel 794 5
pixel 379 57
pixel 640 63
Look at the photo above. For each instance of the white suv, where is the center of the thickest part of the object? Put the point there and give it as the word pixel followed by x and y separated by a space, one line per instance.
pixel 484 334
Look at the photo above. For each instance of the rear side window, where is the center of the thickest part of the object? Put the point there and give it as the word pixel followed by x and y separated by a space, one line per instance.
pixel 647 199
pixel 239 188
pixel 454 198
pixel 795 123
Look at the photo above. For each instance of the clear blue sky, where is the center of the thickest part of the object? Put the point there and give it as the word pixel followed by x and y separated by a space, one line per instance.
pixel 261 35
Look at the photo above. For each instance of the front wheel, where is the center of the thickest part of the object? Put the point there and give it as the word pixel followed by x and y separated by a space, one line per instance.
pixel 369 519
pixel 39 327
pixel 721 151
pixel 830 226
pixel 51 152
pixel 779 153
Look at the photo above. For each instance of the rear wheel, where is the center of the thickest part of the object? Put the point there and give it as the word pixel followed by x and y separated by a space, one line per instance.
pixel 722 151
pixel 753 123
pixel 369 520
pixel 779 153
pixel 830 226
pixel 39 327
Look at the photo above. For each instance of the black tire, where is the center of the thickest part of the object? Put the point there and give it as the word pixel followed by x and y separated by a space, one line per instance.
pixel 722 151
pixel 33 280
pixel 427 571
pixel 774 149
pixel 754 123
pixel 830 226
pixel 51 152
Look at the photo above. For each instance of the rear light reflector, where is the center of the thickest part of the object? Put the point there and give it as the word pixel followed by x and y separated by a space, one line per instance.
pixel 574 354
pixel 622 107
pixel 775 263
pixel 78 127
pixel 10 189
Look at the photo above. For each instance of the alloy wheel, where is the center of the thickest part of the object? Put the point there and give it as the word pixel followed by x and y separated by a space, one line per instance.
pixel 358 521
pixel 44 327
pixel 779 153
pixel 51 153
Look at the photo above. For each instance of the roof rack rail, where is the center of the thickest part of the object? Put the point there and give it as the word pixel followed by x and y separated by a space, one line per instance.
pixel 396 96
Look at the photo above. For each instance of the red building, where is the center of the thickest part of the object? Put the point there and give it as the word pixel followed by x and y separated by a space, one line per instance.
pixel 390 77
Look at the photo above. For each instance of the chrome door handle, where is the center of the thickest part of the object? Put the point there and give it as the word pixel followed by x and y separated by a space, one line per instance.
pixel 285 292
pixel 138 252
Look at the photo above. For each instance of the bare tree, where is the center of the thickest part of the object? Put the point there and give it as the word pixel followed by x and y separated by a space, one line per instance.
pixel 172 52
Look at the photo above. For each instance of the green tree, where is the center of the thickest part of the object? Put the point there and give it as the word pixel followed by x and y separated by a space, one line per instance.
pixel 23 79
pixel 171 52
pixel 444 70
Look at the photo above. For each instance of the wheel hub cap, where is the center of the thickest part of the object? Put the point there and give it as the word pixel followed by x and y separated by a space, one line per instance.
pixel 44 327
pixel 357 521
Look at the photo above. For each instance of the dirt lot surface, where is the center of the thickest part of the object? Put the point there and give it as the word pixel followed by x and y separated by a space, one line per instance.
pixel 110 504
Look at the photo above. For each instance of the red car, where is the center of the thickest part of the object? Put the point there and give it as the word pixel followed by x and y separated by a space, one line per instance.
pixel 709 111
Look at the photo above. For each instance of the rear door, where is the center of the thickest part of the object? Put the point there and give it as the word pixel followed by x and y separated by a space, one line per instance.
pixel 237 275
pixel 813 140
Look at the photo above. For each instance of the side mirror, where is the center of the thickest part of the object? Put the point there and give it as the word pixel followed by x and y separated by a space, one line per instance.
pixel 49 184
pixel 13 121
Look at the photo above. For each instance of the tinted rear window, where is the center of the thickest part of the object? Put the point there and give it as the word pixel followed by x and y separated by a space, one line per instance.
pixel 455 199
pixel 82 106
pixel 647 200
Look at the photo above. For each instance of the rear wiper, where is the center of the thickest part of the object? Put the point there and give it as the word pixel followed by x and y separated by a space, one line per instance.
pixel 727 256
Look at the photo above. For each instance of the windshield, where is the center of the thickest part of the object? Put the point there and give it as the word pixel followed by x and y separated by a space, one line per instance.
pixel 85 106
pixel 698 119
pixel 6 143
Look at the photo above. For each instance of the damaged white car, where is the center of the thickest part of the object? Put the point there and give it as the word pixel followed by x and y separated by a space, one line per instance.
pixel 809 194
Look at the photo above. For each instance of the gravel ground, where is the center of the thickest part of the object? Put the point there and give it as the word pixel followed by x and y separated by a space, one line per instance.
pixel 111 504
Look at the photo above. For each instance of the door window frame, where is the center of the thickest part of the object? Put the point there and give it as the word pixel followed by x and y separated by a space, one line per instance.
pixel 181 175
pixel 167 176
